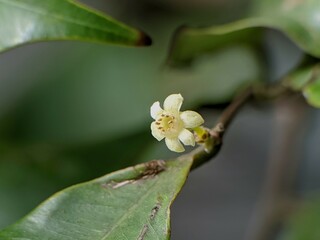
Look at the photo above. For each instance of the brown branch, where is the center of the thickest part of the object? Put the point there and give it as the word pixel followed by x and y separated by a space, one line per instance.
pixel 202 154
pixel 228 115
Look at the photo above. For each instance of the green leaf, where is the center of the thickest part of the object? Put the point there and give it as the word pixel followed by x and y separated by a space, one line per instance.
pixel 299 78
pixel 26 21
pixel 133 203
pixel 190 43
pixel 312 93
pixel 306 80
pixel 304 225
pixel 297 19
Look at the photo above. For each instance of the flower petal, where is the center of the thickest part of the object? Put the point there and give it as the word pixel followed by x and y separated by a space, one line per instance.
pixel 156 132
pixel 155 110
pixel 173 103
pixel 186 137
pixel 174 145
pixel 191 119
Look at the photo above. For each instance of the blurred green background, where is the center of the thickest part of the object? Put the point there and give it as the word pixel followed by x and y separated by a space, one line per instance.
pixel 72 111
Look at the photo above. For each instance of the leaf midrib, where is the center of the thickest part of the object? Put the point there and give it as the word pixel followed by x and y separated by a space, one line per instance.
pixel 130 210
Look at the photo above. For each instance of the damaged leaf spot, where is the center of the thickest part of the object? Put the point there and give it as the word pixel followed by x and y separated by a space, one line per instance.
pixel 152 169
pixel 154 211
pixel 152 216
pixel 115 185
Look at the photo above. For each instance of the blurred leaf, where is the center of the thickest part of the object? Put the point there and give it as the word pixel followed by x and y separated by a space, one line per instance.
pixel 306 80
pixel 299 78
pixel 297 19
pixel 304 225
pixel 90 99
pixel 215 82
pixel 26 21
pixel 133 203
pixel 312 93
pixel 189 43
pixel 109 155
pixel 107 103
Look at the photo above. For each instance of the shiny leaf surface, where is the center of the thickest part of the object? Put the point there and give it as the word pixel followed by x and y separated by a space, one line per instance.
pixel 26 21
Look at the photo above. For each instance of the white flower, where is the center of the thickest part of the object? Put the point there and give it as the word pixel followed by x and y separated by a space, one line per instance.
pixel 172 124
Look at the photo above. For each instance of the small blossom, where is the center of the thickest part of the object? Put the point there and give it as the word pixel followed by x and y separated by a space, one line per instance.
pixel 174 125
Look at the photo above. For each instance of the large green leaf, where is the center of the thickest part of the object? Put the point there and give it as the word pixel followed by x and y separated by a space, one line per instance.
pixel 25 21
pixel 133 203
pixel 297 19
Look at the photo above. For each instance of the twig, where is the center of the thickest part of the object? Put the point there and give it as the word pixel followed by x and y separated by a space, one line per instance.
pixel 228 115
pixel 202 155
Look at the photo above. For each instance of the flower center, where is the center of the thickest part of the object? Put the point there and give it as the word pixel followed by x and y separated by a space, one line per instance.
pixel 168 124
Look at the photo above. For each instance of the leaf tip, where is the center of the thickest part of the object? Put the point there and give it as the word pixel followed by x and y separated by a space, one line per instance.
pixel 144 40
